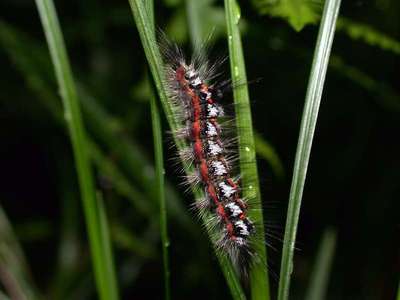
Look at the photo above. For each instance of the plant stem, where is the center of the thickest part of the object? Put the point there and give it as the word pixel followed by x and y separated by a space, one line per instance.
pixel 159 169
pixel 158 153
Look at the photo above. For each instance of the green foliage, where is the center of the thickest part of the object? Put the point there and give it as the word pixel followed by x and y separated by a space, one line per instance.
pixel 200 27
pixel 298 13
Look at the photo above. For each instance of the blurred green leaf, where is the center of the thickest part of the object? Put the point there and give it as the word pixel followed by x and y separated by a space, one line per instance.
pixel 124 239
pixel 266 151
pixel 70 262
pixel 384 94
pixel 201 28
pixel 322 266
pixel 34 230
pixel 368 34
pixel 172 3
pixel 298 13
pixel 14 272
pixel 176 26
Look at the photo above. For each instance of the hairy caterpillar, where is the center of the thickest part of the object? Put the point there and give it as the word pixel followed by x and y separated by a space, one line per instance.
pixel 195 98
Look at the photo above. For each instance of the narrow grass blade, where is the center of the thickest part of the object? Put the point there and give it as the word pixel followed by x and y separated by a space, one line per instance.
pixel 15 276
pixel 258 273
pixel 105 240
pixel 159 170
pixel 158 153
pixel 153 56
pixel 322 266
pixel 308 122
pixel 106 282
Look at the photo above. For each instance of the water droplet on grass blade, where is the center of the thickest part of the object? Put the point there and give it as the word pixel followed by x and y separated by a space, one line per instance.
pixel 236 12
pixel 236 71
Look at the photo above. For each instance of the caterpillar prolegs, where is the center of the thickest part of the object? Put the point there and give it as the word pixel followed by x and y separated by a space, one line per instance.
pixel 195 95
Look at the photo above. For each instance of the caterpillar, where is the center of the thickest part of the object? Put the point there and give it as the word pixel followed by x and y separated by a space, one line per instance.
pixel 196 101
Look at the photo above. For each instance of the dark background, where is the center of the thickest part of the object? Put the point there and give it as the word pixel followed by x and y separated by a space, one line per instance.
pixel 353 176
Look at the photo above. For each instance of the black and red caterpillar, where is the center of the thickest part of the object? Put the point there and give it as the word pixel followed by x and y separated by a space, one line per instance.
pixel 196 108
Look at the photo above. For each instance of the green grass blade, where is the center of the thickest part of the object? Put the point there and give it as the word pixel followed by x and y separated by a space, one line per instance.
pixel 105 240
pixel 309 119
pixel 322 266
pixel 158 153
pixel 159 170
pixel 258 273
pixel 106 283
pixel 153 56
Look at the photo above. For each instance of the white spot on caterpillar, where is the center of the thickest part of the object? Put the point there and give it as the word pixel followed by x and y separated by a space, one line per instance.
pixel 219 168
pixel 214 148
pixel 195 82
pixel 192 74
pixel 227 190
pixel 247 149
pixel 211 130
pixel 234 209
pixel 212 111
pixel 243 228
pixel 240 241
